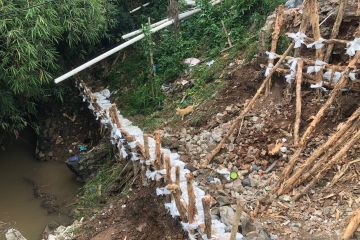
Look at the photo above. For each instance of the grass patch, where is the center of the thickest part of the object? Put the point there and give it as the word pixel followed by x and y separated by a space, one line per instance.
pixel 100 188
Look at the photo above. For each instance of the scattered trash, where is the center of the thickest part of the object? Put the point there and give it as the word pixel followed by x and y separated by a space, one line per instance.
pixel 192 61
pixel 234 175
pixel 74 158
pixel 83 148
pixel 210 63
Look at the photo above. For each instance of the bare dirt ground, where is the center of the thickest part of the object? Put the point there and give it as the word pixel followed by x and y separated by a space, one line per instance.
pixel 140 216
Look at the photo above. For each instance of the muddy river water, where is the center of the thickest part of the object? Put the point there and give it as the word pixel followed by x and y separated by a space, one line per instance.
pixel 19 208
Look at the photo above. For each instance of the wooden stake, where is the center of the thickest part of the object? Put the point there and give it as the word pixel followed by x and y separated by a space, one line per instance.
pixel 338 156
pixel 352 226
pixel 342 129
pixel 314 20
pixel 207 215
pixel 248 107
pixel 192 199
pixel 177 175
pixel 275 38
pixel 325 158
pixel 304 23
pixel 336 28
pixel 175 189
pixel 146 147
pixel 300 65
pixel 236 220
pixel 340 85
pixel 157 150
pixel 168 169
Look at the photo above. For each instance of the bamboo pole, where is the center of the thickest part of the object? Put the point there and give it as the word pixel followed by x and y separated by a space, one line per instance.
pixel 248 107
pixel 337 157
pixel 304 23
pixel 192 199
pixel 325 158
pixel 275 37
pixel 168 169
pixel 226 34
pixel 177 175
pixel 236 220
pixel 175 189
pixel 146 147
pixel 300 65
pixel 304 139
pixel 314 20
pixel 336 28
pixel 207 215
pixel 352 226
pixel 342 129
pixel 157 150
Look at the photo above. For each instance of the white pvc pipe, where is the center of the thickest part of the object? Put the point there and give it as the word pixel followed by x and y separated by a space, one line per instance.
pixel 138 8
pixel 120 47
pixel 139 31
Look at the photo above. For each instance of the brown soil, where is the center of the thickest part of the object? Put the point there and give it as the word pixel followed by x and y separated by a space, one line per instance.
pixel 140 216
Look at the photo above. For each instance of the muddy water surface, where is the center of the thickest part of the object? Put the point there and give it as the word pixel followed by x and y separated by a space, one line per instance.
pixel 19 208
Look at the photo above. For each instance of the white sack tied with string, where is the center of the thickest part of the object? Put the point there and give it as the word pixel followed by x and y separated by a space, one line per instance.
pixel 299 38
pixel 319 44
pixel 335 78
pixel 352 47
pixel 317 67
pixel 291 76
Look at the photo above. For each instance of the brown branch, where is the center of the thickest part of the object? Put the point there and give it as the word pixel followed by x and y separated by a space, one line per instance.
pixel 300 66
pixel 146 147
pixel 248 107
pixel 175 189
pixel 342 129
pixel 352 226
pixel 338 156
pixel 336 28
pixel 207 215
pixel 157 150
pixel 275 37
pixel 192 199
pixel 236 220
pixel 168 169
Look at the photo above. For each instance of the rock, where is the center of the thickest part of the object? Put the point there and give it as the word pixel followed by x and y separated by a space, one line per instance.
pixel 258 235
pixel 227 214
pixel 285 198
pixel 246 182
pixel 13 234
pixel 170 142
pixel 293 3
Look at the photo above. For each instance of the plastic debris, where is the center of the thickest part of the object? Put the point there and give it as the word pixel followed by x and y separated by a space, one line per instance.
pixel 74 158
pixel 268 69
pixel 210 63
pixel 83 148
pixel 271 55
pixel 192 61
pixel 234 175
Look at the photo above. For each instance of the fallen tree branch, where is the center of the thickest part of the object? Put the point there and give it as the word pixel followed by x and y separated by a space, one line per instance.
pixel 336 28
pixel 300 66
pixel 338 156
pixel 248 107
pixel 342 129
pixel 352 226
